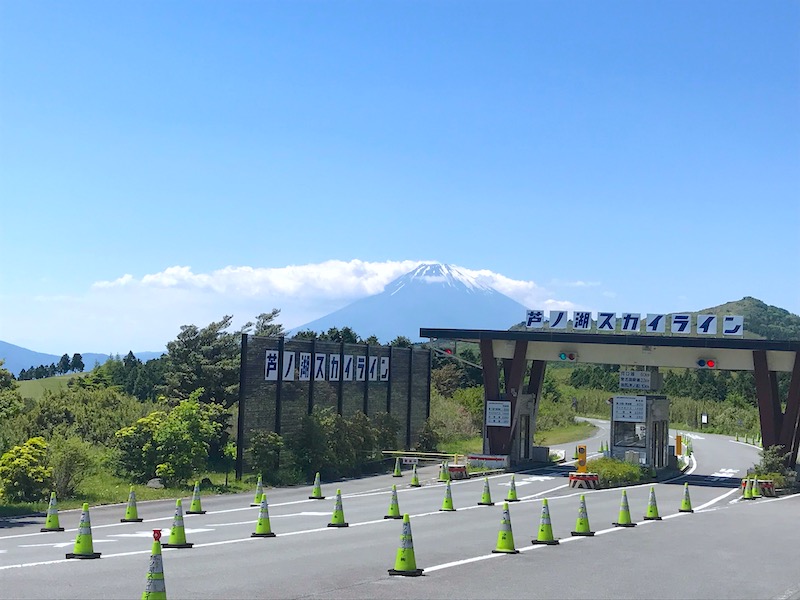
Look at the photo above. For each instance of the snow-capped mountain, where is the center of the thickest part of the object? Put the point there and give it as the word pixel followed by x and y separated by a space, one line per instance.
pixel 432 295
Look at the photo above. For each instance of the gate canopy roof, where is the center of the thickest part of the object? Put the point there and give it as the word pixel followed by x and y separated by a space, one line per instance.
pixel 732 354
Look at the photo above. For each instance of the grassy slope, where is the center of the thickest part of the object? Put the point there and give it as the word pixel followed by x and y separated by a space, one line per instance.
pixel 35 388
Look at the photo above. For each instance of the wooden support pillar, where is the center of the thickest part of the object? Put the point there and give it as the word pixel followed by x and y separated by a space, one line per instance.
pixel 769 406
pixel 491 386
pixel 535 387
pixel 790 429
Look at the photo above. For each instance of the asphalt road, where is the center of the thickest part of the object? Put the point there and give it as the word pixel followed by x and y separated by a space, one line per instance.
pixel 726 549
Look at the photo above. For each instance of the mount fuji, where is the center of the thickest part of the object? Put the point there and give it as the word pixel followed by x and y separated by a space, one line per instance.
pixel 432 295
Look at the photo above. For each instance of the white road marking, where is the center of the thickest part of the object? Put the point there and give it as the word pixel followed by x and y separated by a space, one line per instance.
pixel 725 473
pixel 65 544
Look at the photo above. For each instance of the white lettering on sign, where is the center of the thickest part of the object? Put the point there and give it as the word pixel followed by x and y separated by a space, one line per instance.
pixel 732 325
pixel 333 367
pixel 534 319
pixel 348 367
pixel 361 368
pixel 558 319
pixel 305 366
pixel 635 380
pixel 288 365
pixel 631 409
pixel 319 370
pixel 498 413
pixel 384 368
pixel 373 368
pixel 271 366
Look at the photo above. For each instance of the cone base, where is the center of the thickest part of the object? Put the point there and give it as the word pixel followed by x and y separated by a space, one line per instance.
pixel 316 497
pixel 195 512
pixel 46 529
pixel 393 516
pixel 586 533
pixel 338 524
pixel 254 504
pixel 686 510
pixel 262 535
pixel 498 551
pixel 414 485
pixel 414 573
pixel 652 518
pixel 92 555
pixel 168 545
pixel 447 510
pixel 394 475
pixel 510 500
pixel 624 524
pixel 544 543
pixel 485 503
pixel 131 520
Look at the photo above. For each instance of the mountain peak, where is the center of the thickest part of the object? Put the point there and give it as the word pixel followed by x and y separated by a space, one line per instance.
pixel 439 274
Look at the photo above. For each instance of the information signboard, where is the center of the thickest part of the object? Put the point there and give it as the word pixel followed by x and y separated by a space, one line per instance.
pixel 634 380
pixel 498 413
pixel 631 409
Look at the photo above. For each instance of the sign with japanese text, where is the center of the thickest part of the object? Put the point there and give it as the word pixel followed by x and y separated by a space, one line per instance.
pixel 498 413
pixel 635 380
pixel 325 367
pixel 631 409
pixel 609 322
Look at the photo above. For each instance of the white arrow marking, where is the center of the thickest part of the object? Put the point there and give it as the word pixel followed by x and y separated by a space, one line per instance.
pixel 694 436
pixel 725 473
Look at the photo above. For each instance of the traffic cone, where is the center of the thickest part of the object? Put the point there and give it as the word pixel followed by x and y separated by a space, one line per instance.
pixel 624 519
pixel 397 471
pixel 51 523
pixel 748 490
pixel 131 512
pixel 316 493
pixel 337 520
pixel 575 454
pixel 394 507
pixel 505 537
pixel 263 528
pixel 83 541
pixel 545 528
pixel 444 472
pixel 155 588
pixel 486 497
pixel 652 507
pixel 582 522
pixel 686 503
pixel 195 508
pixel 259 492
pixel 447 503
pixel 405 563
pixel 177 533
pixel 414 478
pixel 512 491
pixel 756 489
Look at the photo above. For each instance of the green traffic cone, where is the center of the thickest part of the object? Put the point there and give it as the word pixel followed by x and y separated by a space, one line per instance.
pixel 652 507
pixel 131 512
pixel 512 491
pixel 505 537
pixel 196 508
pixel 447 503
pixel 686 503
pixel 486 497
pixel 624 519
pixel 397 471
pixel 414 478
pixel 316 492
pixel 545 535
pixel 582 522
pixel 259 492
pixel 337 520
pixel 263 528
pixel 394 507
pixel 51 523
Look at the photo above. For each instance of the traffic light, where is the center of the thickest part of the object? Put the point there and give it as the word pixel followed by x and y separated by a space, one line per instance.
pixel 568 356
pixel 706 363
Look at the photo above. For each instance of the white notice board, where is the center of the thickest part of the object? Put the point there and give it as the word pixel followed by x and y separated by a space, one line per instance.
pixel 631 409
pixel 637 380
pixel 498 413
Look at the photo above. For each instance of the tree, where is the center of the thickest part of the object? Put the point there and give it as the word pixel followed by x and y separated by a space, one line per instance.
pixel 24 474
pixel 266 326
pixel 6 378
pixel 77 363
pixel 63 364
pixel 72 461
pixel 372 341
pixel 401 341
pixel 205 358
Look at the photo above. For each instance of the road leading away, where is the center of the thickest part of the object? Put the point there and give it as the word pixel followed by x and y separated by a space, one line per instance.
pixel 727 548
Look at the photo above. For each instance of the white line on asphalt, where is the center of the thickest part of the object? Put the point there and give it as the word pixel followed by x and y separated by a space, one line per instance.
pixel 745 444
pixel 715 500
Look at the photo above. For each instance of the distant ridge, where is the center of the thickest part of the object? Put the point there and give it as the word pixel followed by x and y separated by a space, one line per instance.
pixel 432 295
pixel 17 358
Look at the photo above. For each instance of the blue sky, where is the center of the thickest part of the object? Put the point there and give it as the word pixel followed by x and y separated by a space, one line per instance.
pixel 167 163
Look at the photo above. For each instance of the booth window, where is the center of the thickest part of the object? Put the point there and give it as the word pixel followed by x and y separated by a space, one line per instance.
pixel 630 435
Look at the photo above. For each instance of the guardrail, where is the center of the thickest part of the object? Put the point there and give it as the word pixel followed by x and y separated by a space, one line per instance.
pixel 434 456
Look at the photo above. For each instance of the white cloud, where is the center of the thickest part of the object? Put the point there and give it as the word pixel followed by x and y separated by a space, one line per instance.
pixel 578 283
pixel 145 312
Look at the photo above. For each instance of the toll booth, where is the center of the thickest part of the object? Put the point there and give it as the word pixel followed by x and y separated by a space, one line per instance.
pixel 640 430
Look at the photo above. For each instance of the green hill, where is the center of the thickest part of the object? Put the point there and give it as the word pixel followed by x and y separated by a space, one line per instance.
pixel 34 388
pixel 761 319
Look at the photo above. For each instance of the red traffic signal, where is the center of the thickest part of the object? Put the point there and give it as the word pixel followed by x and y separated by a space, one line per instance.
pixel 706 363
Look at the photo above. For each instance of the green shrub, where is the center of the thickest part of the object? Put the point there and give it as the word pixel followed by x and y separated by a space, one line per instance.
pixel 613 472
pixel 264 452
pixel 428 439
pixel 24 473
pixel 72 460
